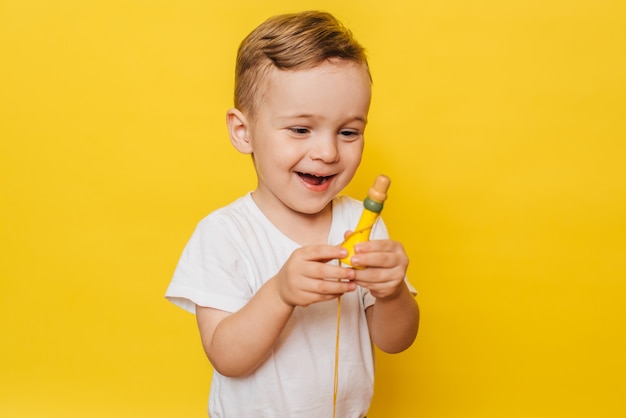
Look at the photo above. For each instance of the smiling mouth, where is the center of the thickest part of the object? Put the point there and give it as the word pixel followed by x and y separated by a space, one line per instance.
pixel 313 179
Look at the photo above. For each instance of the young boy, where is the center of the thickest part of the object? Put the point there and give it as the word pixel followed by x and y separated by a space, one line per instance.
pixel 261 273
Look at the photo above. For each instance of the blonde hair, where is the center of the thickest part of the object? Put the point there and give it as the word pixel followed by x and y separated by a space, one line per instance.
pixel 290 42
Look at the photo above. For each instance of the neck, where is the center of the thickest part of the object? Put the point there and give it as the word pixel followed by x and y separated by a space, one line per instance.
pixel 303 228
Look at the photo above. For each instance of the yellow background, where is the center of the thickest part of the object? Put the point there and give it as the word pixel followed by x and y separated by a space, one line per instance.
pixel 501 124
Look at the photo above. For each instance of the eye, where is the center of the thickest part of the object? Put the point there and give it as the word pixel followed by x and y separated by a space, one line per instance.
pixel 299 130
pixel 349 134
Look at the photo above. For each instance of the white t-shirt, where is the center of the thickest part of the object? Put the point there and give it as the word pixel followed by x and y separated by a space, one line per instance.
pixel 230 255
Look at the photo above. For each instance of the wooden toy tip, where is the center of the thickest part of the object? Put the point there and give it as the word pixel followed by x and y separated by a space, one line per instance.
pixel 378 192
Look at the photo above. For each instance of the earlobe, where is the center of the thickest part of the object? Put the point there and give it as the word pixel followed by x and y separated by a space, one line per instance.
pixel 238 130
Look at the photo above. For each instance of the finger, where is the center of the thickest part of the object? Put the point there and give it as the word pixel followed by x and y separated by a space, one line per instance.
pixel 376 259
pixel 327 287
pixel 316 270
pixel 334 288
pixel 378 245
pixel 322 252
pixel 374 275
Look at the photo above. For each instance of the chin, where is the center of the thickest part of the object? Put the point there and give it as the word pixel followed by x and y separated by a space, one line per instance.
pixel 312 209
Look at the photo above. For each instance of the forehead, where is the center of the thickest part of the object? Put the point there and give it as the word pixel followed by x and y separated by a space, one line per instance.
pixel 336 84
pixel 325 70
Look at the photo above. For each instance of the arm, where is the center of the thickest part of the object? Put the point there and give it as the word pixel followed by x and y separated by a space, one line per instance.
pixel 393 323
pixel 393 320
pixel 237 343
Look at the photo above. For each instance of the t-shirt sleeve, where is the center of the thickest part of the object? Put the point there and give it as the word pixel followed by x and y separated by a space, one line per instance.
pixel 210 271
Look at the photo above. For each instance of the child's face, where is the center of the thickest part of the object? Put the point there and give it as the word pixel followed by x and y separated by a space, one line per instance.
pixel 307 136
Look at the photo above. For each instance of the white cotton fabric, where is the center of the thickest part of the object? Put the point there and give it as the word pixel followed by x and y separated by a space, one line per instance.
pixel 230 255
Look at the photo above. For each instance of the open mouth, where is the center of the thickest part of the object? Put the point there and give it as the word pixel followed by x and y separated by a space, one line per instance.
pixel 314 180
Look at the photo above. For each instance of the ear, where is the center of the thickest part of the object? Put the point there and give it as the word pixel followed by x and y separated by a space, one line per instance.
pixel 238 129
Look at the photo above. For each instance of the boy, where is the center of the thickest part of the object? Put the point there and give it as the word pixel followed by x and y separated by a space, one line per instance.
pixel 256 272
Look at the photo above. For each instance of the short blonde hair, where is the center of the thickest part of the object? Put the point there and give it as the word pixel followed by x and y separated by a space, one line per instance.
pixel 290 42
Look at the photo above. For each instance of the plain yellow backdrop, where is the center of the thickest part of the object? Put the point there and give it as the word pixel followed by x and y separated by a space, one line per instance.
pixel 501 124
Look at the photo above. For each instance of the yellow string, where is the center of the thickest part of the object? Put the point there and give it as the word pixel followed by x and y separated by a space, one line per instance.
pixel 336 377
pixel 358 231
pixel 336 388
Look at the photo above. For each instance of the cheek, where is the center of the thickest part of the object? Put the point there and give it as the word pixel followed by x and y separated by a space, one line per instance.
pixel 286 155
pixel 352 153
pixel 279 154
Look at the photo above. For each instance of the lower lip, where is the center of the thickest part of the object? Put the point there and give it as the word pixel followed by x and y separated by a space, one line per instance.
pixel 317 187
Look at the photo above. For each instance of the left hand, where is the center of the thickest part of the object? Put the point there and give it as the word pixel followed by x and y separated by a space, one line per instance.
pixel 386 264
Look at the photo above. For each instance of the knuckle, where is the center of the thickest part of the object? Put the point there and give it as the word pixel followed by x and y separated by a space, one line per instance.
pixel 323 286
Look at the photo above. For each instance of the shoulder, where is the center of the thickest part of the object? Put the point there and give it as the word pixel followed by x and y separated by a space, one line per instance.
pixel 223 227
pixel 238 212
pixel 241 225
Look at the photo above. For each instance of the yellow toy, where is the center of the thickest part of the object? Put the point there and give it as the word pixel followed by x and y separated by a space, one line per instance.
pixel 372 206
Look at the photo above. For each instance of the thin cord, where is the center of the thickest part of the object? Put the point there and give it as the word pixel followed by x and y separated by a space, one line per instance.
pixel 336 383
pixel 358 231
pixel 336 389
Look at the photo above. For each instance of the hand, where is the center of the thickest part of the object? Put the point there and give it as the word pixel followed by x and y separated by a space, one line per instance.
pixel 386 263
pixel 307 277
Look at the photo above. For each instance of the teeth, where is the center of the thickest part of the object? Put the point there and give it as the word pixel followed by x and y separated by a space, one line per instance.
pixel 312 175
pixel 314 178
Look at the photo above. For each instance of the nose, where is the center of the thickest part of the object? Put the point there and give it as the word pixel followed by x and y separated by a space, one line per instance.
pixel 324 148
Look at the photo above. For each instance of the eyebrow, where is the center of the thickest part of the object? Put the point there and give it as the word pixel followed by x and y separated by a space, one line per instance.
pixel 297 116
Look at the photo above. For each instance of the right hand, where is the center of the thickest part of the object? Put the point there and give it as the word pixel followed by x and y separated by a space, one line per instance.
pixel 307 277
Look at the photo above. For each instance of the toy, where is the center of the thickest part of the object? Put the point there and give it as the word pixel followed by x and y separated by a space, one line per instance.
pixel 372 206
